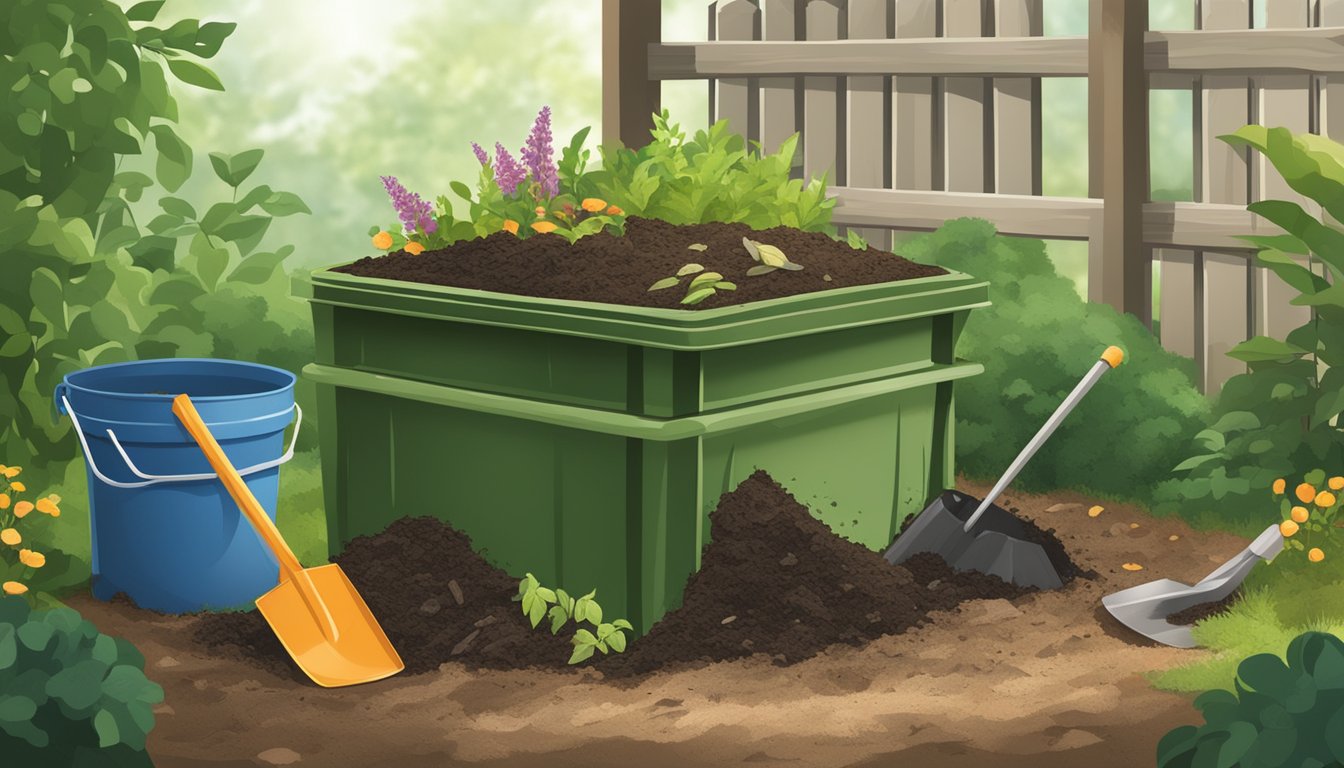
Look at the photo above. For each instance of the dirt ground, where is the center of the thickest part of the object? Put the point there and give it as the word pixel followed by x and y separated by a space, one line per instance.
pixel 1049 680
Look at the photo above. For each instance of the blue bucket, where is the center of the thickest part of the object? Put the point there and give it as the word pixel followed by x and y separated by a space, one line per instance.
pixel 165 531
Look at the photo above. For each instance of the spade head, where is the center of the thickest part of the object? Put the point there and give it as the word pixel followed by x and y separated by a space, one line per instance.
pixel 999 544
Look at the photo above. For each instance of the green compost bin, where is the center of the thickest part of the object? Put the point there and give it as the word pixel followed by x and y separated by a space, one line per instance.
pixel 587 443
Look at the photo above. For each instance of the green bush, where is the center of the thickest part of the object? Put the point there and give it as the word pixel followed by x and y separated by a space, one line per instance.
pixel 68 694
pixel 1036 342
pixel 1279 418
pixel 1281 714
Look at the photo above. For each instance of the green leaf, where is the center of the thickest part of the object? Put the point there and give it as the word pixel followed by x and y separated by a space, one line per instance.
pixel 697 296
pixel 35 635
pixel 461 190
pixel 594 613
pixel 195 74
pixel 259 194
pixel 16 709
pixel 173 166
pixel 257 268
pixel 750 245
pixel 546 594
pixel 176 206
pixel 697 247
pixel 771 256
pixel 581 653
pixel 105 725
pixel 760 269
pixel 125 683
pixel 724 285
pixel 617 641
pixel 78 686
pixel 666 282
pixel 1334 735
pixel 558 618
pixel 1296 274
pixel 9 649
pixel 690 269
pixel 537 612
pixel 133 183
pixel 584 637
pixel 1236 421
pixel 211 37
pixel 220 162
pixel 284 204
pixel 145 11
pixel 1195 462
pixel 243 164
pixel 622 624
pixel 210 260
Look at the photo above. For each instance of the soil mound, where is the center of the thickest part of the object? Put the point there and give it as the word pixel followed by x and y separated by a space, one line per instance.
pixel 435 597
pixel 619 270
pixel 777 581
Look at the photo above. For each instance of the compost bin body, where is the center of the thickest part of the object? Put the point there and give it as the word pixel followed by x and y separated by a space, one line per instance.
pixel 587 443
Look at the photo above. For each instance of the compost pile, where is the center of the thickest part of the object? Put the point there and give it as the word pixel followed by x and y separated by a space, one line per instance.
pixel 619 270
pixel 774 580
pixel 436 599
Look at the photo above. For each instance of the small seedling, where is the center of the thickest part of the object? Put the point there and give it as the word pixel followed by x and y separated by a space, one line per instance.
pixel 701 287
pixel 768 258
pixel 604 637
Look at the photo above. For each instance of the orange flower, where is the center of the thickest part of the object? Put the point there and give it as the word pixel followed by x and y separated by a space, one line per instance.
pixel 383 240
pixel 1325 500
pixel 415 249
pixel 614 211
pixel 48 506
pixel 543 226
pixel 32 559
pixel 1288 528
pixel 1306 493
pixel 14 588
pixel 18 486
pixel 1315 555
pixel 1337 483
pixel 12 471
pixel 4 501
pixel 1300 514
pixel 1279 485
pixel 511 226
pixel 10 537
pixel 541 211
pixel 23 508
pixel 593 204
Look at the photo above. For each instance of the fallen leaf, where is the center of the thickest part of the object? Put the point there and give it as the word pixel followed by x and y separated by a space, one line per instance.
pixel 759 269
pixel 1133 525
pixel 750 245
pixel 702 279
pixel 1132 567
pixel 697 247
pixel 690 269
pixel 1093 512
pixel 827 278
pixel 771 256
pixel 1173 537
pixel 666 282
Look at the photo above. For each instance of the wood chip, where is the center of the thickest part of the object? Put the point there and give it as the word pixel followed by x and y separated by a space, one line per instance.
pixel 1132 567
pixel 456 590
pixel 1173 537
pixel 1064 508
pixel 461 647
pixel 1094 511
pixel 487 621
pixel 729 620
pixel 1133 525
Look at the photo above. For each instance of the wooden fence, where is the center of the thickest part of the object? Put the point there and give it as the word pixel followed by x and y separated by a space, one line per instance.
pixel 928 110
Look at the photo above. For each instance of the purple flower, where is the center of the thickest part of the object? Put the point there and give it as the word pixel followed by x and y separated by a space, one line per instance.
pixel 508 173
pixel 412 210
pixel 480 153
pixel 537 154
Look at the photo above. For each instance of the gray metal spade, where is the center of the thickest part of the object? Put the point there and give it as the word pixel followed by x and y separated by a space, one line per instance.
pixel 1145 608
pixel 975 535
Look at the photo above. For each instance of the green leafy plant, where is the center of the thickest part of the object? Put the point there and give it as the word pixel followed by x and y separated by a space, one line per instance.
pixel 1281 414
pixel 1308 512
pixel 1036 341
pixel 89 87
pixel 538 602
pixel 702 285
pixel 69 693
pixel 1281 714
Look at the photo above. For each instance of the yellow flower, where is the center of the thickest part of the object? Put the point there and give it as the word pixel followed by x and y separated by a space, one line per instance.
pixel 510 226
pixel 540 211
pixel 1305 493
pixel 1315 555
pixel 614 211
pixel 1300 514
pixel 32 559
pixel 1288 528
pixel 543 226
pixel 22 509
pixel 383 240
pixel 593 204
pixel 14 588
pixel 12 471
pixel 17 487
pixel 1325 500
pixel 48 506
pixel 1279 485
pixel 10 537
pixel 1336 483
pixel 415 249
pixel 4 501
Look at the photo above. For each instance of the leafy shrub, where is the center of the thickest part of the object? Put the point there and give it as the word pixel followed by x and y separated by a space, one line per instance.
pixel 538 602
pixel 1281 714
pixel 23 566
pixel 713 177
pixel 88 86
pixel 1281 414
pixel 69 693
pixel 1036 342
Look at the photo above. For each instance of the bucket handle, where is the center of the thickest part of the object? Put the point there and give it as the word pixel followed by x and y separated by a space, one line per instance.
pixel 149 479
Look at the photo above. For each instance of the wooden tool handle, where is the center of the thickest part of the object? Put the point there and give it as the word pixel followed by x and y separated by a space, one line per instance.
pixel 186 413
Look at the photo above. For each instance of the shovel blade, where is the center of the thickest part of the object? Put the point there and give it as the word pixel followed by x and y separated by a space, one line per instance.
pixel 360 651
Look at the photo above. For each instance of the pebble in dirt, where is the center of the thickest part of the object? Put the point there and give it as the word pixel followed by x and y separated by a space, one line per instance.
pixel 774 580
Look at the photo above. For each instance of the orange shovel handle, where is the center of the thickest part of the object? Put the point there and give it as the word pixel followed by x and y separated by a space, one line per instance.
pixel 187 414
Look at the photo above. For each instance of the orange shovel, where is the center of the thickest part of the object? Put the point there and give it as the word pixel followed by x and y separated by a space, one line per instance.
pixel 316 612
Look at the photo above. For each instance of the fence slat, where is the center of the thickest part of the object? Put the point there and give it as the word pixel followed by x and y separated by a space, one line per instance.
pixel 1285 100
pixel 779 95
pixel 1017 107
pixel 913 126
pixel 965 99
pixel 867 114
pixel 1332 88
pixel 1180 301
pixel 822 115
pixel 736 97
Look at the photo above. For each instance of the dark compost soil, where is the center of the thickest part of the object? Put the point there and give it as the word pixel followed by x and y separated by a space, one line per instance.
pixel 435 597
pixel 1197 613
pixel 619 270
pixel 774 580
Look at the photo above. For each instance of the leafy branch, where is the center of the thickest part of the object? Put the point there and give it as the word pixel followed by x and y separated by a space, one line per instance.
pixel 538 602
